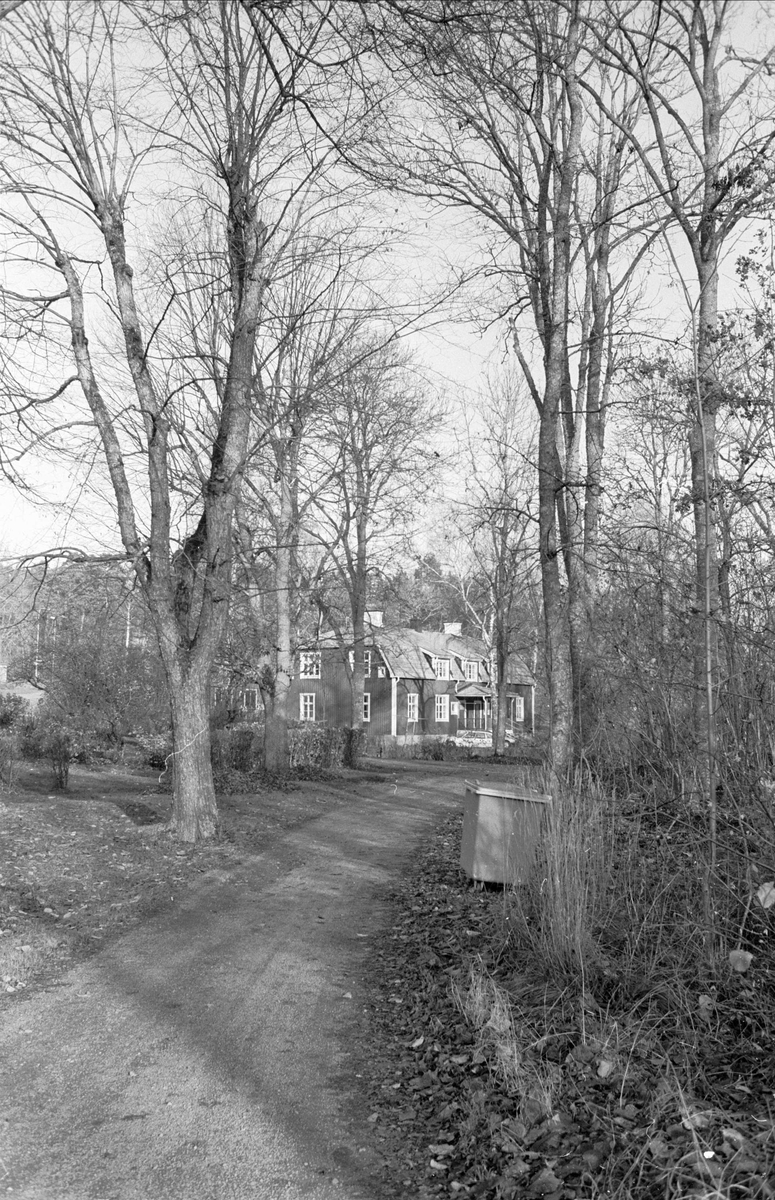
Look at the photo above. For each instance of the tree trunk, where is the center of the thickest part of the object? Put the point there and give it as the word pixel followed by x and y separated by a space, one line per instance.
pixel 194 811
pixel 357 684
pixel 550 480
pixel 276 748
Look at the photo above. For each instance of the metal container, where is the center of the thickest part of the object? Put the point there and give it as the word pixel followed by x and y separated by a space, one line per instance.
pixel 501 832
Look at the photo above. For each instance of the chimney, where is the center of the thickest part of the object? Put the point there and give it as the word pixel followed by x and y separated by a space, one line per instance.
pixel 374 618
pixel 453 629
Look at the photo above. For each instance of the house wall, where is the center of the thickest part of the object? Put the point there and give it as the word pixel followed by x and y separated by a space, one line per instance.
pixel 526 692
pixel 333 697
pixel 333 703
pixel 427 690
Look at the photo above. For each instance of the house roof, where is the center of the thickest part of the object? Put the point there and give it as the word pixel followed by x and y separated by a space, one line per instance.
pixel 473 691
pixel 409 654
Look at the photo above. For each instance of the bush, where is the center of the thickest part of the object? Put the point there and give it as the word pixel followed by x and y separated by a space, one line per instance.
pixel 32 739
pixel 157 750
pixel 321 747
pixel 59 751
pixel 237 748
pixel 14 711
pixel 9 757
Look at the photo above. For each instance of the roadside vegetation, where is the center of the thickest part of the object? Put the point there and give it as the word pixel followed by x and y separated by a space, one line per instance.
pixel 580 1037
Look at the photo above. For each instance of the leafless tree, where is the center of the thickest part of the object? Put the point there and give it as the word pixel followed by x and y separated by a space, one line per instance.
pixel 89 147
pixel 495 524
pixel 703 147
pixel 379 432
pixel 498 126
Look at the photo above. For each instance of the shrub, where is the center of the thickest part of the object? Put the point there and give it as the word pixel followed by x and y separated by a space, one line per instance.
pixel 237 748
pixel 157 750
pixel 318 746
pixel 31 740
pixel 14 711
pixel 59 751
pixel 9 756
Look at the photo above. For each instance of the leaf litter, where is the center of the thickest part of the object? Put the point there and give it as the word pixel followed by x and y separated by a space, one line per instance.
pixel 601 1104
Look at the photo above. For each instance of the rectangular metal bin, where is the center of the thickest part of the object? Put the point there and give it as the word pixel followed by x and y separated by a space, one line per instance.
pixel 501 831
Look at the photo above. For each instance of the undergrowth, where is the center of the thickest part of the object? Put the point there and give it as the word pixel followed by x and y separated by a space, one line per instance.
pixel 607 975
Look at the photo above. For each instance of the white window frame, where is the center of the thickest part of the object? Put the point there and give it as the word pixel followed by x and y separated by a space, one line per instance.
pixel 367 663
pixel 367 706
pixel 412 708
pixel 309 664
pixel 442 708
pixel 306 706
pixel 517 704
pixel 471 670
pixel 440 667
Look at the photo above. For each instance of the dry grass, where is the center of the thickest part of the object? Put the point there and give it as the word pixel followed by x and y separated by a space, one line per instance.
pixel 603 979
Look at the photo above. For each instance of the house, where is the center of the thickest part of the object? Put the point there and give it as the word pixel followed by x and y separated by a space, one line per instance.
pixel 417 683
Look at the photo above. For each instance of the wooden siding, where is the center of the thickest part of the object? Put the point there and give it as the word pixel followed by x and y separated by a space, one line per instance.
pixel 333 703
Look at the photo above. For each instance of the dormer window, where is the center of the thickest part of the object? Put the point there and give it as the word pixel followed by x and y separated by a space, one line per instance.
pixel 441 668
pixel 309 665
pixel 471 670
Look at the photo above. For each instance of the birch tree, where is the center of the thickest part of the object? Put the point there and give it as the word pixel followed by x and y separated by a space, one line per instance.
pixel 703 149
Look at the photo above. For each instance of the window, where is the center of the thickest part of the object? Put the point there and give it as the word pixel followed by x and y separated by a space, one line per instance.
pixel 471 670
pixel 516 709
pixel 309 664
pixel 412 706
pixel 441 668
pixel 366 661
pixel 381 670
pixel 367 706
pixel 250 699
pixel 442 708
pixel 307 706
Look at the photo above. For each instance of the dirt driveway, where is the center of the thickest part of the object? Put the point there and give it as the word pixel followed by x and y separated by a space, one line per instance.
pixel 209 1052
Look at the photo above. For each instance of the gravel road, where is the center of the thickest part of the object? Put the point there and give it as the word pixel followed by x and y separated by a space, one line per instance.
pixel 207 1054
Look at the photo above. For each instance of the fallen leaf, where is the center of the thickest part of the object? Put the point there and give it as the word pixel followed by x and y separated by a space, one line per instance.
pixel 545 1181
pixel 605 1068
pixel 766 894
pixel 740 960
pixel 697 1120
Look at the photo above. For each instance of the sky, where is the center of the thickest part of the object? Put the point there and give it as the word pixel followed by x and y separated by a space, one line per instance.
pixel 457 355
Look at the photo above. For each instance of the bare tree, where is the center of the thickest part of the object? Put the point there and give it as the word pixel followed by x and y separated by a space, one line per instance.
pixel 378 428
pixel 318 311
pixel 499 127
pixel 82 137
pixel 493 518
pixel 703 149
